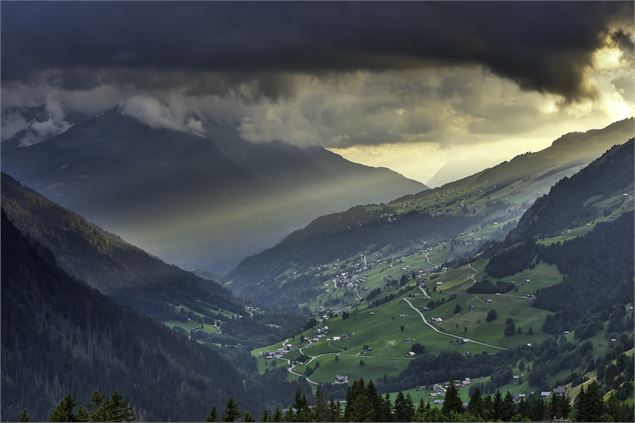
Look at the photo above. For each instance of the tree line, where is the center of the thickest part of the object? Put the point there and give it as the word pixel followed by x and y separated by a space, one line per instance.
pixel 364 403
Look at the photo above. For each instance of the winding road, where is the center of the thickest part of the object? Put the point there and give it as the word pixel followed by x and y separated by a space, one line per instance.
pixel 448 334
pixel 425 294
pixel 425 254
pixel 291 365
pixel 473 270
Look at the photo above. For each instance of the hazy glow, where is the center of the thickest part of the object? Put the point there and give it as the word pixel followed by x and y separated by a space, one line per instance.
pixel 610 76
pixel 421 161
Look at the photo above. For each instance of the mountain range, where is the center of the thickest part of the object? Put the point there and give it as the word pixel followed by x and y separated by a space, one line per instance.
pixel 203 202
pixel 481 205
pixel 548 305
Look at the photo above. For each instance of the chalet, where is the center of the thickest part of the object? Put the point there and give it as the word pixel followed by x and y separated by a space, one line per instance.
pixel 560 390
pixel 545 394
pixel 437 320
pixel 411 354
pixel 341 379
pixel 337 338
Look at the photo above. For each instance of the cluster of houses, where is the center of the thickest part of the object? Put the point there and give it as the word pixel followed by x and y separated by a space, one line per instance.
pixel 559 390
pixel 438 389
pixel 353 282
pixel 279 353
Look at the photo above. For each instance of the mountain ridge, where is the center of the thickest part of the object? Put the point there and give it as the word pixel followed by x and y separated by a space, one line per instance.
pixel 494 195
pixel 239 196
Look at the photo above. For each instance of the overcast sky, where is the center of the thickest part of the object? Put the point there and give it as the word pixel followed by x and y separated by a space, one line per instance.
pixel 416 86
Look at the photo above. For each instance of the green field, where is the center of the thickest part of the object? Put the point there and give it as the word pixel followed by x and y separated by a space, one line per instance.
pixel 188 326
pixel 388 331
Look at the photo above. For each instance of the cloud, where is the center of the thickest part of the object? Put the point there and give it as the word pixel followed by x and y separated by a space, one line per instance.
pixel 158 115
pixel 252 49
pixel 41 124
pixel 12 123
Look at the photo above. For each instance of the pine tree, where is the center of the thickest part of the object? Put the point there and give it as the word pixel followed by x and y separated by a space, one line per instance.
pixel 321 405
pixel 95 408
pixel 24 415
pixel 277 415
pixel 247 417
pixel 507 409
pixel 63 412
pixel 523 407
pixel 475 406
pixel 410 408
pixel 400 408
pixel 486 407
pixel 212 416
pixel 452 403
pixel 420 414
pixel 265 416
pixel 387 412
pixel 231 412
pixel 497 406
pixel 289 415
pixel 594 407
pixel 404 408
pixel 358 407
pixel 301 406
pixel 82 415
pixel 335 411
pixel 375 401
pixel 117 409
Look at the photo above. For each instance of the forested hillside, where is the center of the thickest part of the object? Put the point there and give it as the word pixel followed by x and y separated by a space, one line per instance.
pixel 60 336
pixel 109 264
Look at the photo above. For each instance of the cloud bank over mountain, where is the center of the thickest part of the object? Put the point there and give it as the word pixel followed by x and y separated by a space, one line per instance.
pixel 340 75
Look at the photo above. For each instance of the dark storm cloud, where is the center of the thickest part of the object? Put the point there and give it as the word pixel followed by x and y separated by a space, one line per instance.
pixel 541 46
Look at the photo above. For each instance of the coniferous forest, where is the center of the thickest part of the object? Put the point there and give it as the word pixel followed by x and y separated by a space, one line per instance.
pixel 363 403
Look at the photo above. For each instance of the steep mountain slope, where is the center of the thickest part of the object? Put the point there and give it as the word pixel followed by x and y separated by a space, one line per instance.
pixel 109 264
pixel 548 303
pixel 475 208
pixel 59 336
pixel 599 191
pixel 203 203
